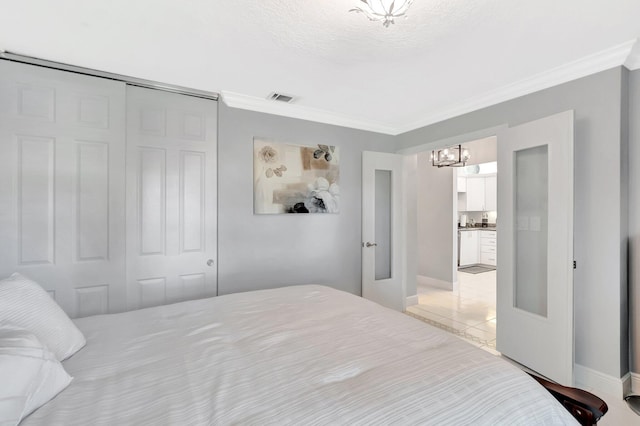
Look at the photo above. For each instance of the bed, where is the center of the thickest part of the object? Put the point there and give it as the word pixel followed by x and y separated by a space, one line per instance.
pixel 295 355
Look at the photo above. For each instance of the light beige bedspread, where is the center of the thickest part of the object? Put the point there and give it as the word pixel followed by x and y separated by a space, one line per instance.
pixel 303 355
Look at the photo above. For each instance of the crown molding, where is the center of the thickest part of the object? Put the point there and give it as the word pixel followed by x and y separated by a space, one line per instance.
pixel 600 61
pixel 633 60
pixel 253 103
pixel 627 54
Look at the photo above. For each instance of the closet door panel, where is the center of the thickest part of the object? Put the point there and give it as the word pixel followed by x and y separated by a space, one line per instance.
pixel 35 200
pixel 171 197
pixel 91 224
pixel 152 201
pixel 62 152
pixel 192 201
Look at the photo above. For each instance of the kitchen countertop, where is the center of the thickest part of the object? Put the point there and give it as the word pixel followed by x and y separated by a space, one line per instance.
pixel 477 228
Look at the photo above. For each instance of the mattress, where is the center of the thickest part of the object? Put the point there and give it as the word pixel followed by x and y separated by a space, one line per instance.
pixel 303 355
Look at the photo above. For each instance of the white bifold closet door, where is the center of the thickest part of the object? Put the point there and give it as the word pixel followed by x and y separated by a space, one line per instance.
pixel 171 197
pixel 62 158
pixel 107 192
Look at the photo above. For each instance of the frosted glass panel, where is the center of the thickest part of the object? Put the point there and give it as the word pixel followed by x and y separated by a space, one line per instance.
pixel 532 212
pixel 383 224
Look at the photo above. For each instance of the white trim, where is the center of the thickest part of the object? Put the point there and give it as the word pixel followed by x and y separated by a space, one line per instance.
pixel 591 64
pixel 633 60
pixel 627 384
pixel 253 103
pixel 635 383
pixel 595 381
pixel 433 282
pixel 412 300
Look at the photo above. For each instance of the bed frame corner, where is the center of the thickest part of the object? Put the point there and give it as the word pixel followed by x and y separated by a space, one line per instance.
pixel 587 408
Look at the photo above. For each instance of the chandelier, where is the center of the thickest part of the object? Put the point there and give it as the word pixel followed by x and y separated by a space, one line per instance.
pixel 383 10
pixel 454 156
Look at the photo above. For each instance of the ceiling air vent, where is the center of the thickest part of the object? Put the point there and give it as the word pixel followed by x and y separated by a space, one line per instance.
pixel 280 97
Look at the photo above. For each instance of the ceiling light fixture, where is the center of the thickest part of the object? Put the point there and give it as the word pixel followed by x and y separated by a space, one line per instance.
pixel 383 10
pixel 454 156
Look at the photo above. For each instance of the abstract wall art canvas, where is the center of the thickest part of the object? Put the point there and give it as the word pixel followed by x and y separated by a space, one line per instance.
pixel 295 178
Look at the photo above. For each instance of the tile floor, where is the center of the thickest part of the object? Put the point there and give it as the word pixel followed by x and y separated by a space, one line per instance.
pixel 619 413
pixel 470 313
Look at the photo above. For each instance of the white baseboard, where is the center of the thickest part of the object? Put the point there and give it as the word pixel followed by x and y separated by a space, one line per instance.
pixel 595 381
pixel 635 383
pixel 627 384
pixel 412 300
pixel 433 282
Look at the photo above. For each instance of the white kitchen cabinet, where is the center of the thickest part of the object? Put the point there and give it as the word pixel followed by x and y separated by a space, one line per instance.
pixel 488 259
pixel 462 202
pixel 462 184
pixel 468 247
pixel 491 193
pixel 475 194
pixel 488 248
pixel 482 194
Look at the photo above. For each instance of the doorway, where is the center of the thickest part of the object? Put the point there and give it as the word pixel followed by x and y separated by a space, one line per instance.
pixel 457 259
pixel 534 292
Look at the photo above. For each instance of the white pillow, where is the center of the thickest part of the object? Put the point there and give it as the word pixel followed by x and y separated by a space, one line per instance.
pixel 31 374
pixel 25 304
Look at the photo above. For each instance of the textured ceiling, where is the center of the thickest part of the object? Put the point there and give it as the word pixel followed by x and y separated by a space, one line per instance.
pixel 338 63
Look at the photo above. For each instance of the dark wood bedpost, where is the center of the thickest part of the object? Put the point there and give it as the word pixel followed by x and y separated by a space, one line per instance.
pixel 587 408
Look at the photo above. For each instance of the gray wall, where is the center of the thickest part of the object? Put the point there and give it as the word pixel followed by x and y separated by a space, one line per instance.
pixel 435 220
pixel 266 251
pixel 483 150
pixel 599 283
pixel 634 217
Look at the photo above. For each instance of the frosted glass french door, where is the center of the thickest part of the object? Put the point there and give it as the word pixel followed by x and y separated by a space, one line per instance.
pixel 382 230
pixel 535 246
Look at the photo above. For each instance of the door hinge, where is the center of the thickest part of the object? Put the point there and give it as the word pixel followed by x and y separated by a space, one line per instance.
pixel 574 264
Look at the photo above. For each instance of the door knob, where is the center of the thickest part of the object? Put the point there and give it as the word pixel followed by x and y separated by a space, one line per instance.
pixel 210 262
pixel 370 244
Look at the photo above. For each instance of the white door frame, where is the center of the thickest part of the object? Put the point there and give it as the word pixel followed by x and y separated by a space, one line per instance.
pixel 411 196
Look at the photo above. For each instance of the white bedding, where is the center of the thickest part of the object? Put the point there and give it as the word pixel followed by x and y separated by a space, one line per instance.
pixel 298 355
